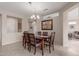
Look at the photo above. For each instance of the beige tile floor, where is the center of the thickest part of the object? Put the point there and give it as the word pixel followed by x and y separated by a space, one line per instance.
pixel 16 49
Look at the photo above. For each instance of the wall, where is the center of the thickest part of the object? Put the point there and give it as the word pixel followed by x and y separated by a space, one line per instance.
pixel 74 13
pixel 56 26
pixel 14 37
pixel 0 30
pixel 61 24
pixel 62 17
pixel 72 16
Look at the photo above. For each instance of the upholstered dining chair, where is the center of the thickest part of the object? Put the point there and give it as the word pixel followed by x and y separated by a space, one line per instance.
pixel 34 42
pixel 45 33
pixel 39 32
pixel 53 38
pixel 25 39
pixel 50 41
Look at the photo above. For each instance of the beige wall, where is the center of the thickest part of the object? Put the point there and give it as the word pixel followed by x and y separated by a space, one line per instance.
pixel 56 26
pixel 66 42
pixel 63 23
pixel 0 30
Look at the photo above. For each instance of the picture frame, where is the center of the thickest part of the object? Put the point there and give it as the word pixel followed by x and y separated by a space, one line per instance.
pixel 47 24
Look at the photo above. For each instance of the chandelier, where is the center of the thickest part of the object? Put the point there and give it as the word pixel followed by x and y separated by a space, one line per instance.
pixel 35 17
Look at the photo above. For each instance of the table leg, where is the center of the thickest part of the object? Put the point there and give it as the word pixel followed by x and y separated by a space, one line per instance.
pixel 42 46
pixel 23 41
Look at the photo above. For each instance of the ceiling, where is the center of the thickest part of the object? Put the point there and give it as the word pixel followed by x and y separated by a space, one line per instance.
pixel 25 9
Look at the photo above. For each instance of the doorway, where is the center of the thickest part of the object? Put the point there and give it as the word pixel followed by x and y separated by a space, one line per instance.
pixel 71 27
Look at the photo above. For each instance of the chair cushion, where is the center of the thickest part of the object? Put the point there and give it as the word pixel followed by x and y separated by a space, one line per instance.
pixel 37 43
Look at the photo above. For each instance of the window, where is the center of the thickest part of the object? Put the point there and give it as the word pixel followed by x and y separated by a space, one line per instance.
pixel 14 24
pixel 73 14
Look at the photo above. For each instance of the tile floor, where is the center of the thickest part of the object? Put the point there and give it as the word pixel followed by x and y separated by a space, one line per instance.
pixel 16 49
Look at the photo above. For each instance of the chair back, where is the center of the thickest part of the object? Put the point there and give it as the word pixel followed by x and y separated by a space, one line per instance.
pixel 39 33
pixel 45 33
pixel 31 37
pixel 52 37
pixel 25 34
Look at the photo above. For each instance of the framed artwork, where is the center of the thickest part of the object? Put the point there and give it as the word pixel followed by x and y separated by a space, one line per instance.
pixel 47 24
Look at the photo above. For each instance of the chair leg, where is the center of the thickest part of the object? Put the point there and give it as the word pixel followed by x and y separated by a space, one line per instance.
pixel 41 47
pixel 35 51
pixel 53 47
pixel 42 50
pixel 29 47
pixel 23 42
pixel 49 48
pixel 24 45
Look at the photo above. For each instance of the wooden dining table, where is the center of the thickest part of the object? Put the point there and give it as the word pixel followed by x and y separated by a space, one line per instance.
pixel 42 38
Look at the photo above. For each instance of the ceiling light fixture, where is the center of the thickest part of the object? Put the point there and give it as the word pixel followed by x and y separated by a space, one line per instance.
pixel 35 16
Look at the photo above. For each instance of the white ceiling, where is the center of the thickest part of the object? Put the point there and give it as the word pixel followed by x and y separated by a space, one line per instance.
pixel 27 10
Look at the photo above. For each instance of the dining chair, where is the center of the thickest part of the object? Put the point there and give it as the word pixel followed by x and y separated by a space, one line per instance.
pixel 25 39
pixel 39 32
pixel 34 42
pixel 50 41
pixel 53 38
pixel 45 33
